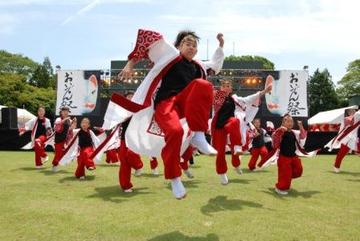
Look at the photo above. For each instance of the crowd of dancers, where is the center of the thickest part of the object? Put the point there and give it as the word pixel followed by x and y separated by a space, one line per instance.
pixel 170 115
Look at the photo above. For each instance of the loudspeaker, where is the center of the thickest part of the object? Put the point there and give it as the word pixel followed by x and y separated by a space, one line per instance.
pixel 9 118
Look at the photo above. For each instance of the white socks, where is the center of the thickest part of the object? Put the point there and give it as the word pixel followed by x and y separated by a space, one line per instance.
pixel 237 150
pixel 138 172
pixel 155 172
pixel 224 179
pixel 188 174
pixel 199 141
pixel 178 188
pixel 238 170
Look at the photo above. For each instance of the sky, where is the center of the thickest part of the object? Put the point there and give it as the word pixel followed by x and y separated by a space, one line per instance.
pixel 87 34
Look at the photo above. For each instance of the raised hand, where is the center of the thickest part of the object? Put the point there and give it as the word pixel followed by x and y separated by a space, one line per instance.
pixel 220 38
pixel 127 72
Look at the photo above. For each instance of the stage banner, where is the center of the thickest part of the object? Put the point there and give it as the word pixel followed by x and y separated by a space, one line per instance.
pixel 78 90
pixel 288 95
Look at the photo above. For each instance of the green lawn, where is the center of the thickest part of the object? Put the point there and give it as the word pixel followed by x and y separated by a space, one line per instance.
pixel 39 205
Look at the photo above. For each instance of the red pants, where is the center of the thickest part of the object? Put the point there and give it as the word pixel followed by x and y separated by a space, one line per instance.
pixel 39 148
pixel 288 168
pixel 59 152
pixel 193 103
pixel 255 153
pixel 112 156
pixel 235 159
pixel 128 160
pixel 153 163
pixel 344 149
pixel 186 157
pixel 219 140
pixel 84 160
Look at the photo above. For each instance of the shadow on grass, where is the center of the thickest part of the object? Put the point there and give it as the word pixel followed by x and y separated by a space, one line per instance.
pixel 241 181
pixel 292 193
pixel 254 172
pixel 342 173
pixel 50 173
pixel 26 169
pixel 195 166
pixel 222 203
pixel 353 180
pixel 74 179
pixel 108 165
pixel 115 194
pixel 149 175
pixel 178 236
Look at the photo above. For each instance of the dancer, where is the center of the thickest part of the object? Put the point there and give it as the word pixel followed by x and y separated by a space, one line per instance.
pixel 287 144
pixel 62 127
pixel 40 128
pixel 225 124
pixel 258 147
pixel 232 116
pixel 182 83
pixel 82 146
pixel 128 158
pixel 153 166
pixel 347 139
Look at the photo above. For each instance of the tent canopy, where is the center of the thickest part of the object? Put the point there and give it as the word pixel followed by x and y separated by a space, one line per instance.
pixel 335 116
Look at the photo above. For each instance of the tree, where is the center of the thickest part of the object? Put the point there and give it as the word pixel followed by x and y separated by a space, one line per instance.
pixel 16 92
pixel 25 83
pixel 16 63
pixel 322 94
pixel 264 62
pixel 40 77
pixel 349 85
pixel 47 66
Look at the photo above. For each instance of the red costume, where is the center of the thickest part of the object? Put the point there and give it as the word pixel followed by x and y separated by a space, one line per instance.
pixel 61 137
pixel 258 149
pixel 128 160
pixel 224 124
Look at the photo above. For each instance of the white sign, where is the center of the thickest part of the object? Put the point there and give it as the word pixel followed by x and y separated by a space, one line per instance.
pixel 289 94
pixel 76 92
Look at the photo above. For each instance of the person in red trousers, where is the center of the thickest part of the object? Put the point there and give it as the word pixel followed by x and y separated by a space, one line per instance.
pixel 128 158
pixel 258 146
pixel 225 124
pixel 40 128
pixel 153 166
pixel 112 156
pixel 183 92
pixel 286 142
pixel 344 149
pixel 86 148
pixel 62 128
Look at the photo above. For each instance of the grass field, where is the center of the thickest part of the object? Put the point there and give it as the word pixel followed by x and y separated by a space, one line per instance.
pixel 41 205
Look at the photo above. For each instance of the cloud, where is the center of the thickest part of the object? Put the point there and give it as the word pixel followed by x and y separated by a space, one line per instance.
pixel 95 3
pixel 82 11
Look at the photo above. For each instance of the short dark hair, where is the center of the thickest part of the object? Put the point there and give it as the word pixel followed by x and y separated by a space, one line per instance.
pixel 130 92
pixel 182 34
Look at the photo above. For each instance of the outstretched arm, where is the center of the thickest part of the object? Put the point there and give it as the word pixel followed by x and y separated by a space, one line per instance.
pixel 216 62
pixel 144 40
